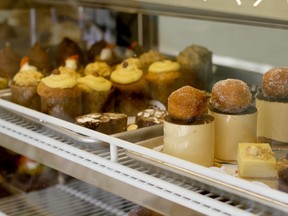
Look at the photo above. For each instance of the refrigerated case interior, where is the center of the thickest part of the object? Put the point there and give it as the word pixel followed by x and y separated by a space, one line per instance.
pixel 110 175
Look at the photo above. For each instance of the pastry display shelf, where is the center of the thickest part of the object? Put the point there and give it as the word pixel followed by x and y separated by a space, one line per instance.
pixel 103 162
pixel 260 13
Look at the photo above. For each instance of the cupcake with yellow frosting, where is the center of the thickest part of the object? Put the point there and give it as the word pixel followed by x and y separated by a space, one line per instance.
pixel 131 90
pixel 60 96
pixel 163 78
pixel 97 94
pixel 101 69
pixel 24 85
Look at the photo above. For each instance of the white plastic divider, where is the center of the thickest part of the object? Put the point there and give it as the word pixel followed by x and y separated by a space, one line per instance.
pixel 226 182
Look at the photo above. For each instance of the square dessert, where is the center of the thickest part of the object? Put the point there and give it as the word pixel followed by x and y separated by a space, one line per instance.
pixel 256 160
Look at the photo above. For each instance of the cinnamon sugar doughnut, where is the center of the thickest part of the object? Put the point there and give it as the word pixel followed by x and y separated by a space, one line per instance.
pixel 231 96
pixel 275 83
pixel 186 103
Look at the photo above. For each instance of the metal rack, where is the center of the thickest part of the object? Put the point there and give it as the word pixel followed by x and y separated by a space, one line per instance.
pixel 74 198
pixel 103 161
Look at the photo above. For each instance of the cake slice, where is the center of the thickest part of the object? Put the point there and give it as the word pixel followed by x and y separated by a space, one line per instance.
pixel 256 160
pixel 107 123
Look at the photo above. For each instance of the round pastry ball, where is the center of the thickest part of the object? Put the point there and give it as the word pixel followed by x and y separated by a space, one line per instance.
pixel 231 96
pixel 275 83
pixel 186 103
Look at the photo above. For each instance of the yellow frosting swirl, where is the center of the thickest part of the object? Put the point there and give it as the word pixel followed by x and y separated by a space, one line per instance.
pixel 98 69
pixel 91 82
pixel 132 60
pixel 69 71
pixel 126 74
pixel 27 78
pixel 62 80
pixel 164 66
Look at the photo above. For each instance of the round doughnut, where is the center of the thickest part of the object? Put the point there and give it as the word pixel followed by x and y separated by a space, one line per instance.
pixel 230 96
pixel 186 103
pixel 275 83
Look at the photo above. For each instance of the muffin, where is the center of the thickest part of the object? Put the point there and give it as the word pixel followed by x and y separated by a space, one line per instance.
pixel 101 69
pixel 230 105
pixel 97 94
pixel 163 78
pixel 24 86
pixel 272 105
pixel 150 57
pixel 131 89
pixel 40 58
pixel 188 129
pixel 196 66
pixel 60 96
pixel 9 62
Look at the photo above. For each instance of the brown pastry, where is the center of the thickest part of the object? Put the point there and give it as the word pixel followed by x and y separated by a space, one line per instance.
pixel 230 105
pixel 9 61
pixel 40 58
pixel 272 106
pixel 67 48
pixel 24 86
pixel 149 117
pixel 163 78
pixel 108 123
pixel 275 83
pixel 131 89
pixel 188 130
pixel 97 94
pixel 186 103
pixel 95 50
pixel 196 66
pixel 60 96
pixel 150 57
pixel 4 80
pixel 231 96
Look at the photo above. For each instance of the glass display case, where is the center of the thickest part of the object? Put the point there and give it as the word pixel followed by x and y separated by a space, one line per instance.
pixel 85 172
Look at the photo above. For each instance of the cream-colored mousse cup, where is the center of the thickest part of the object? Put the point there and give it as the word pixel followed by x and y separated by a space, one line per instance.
pixel 193 142
pixel 231 129
pixel 272 120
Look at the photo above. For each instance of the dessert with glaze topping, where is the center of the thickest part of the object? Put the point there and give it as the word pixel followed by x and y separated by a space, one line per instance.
pixel 131 89
pixel 107 123
pixel 235 118
pixel 149 117
pixel 60 96
pixel 97 94
pixel 24 86
pixel 188 129
pixel 272 105
pixel 163 78
pixel 256 160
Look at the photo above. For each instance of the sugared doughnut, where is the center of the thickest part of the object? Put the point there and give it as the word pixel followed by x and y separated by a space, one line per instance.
pixel 275 83
pixel 186 103
pixel 231 96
